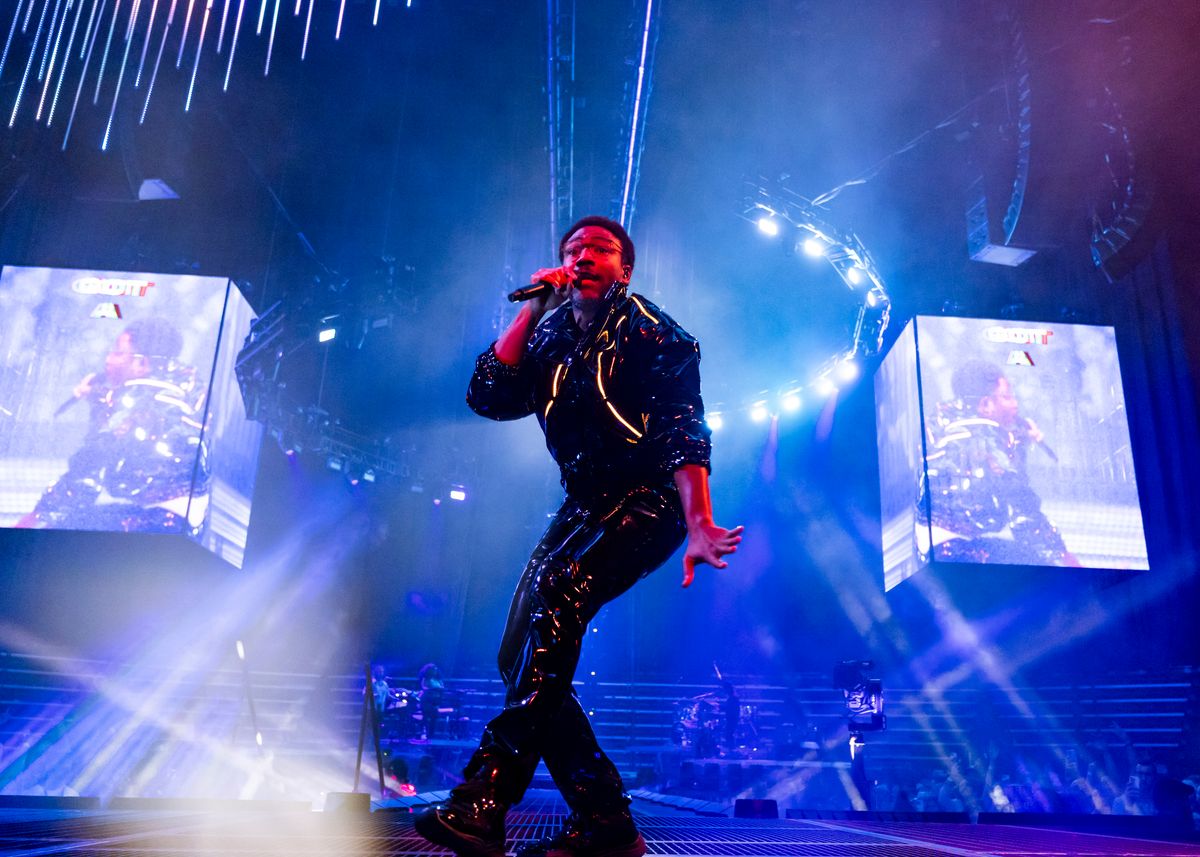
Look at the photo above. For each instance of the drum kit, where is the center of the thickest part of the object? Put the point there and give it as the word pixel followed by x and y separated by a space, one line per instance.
pixel 702 725
pixel 405 715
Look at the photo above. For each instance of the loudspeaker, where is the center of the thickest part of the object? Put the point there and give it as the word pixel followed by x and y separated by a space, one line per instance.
pixel 755 808
pixel 348 802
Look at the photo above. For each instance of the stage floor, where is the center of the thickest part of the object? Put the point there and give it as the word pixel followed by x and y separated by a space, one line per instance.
pixel 254 832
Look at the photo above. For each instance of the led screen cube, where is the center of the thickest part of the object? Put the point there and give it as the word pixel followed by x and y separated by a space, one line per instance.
pixel 1004 442
pixel 119 408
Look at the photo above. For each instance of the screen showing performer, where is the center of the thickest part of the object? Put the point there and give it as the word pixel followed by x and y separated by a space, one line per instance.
pixel 1023 444
pixel 119 409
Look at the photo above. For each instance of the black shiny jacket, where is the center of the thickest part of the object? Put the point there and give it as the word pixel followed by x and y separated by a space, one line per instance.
pixel 620 404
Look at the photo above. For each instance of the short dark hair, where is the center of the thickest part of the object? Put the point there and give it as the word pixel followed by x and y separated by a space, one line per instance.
pixel 975 379
pixel 155 337
pixel 618 231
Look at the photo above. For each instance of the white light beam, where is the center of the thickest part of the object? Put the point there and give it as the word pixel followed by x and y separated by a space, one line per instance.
pixel 137 80
pixel 187 105
pixel 28 64
pixel 187 22
pixel 237 26
pixel 11 30
pixel 133 13
pixel 104 56
pixel 158 60
pixel 53 61
pixel 271 40
pixel 91 43
pixel 66 61
pixel 637 105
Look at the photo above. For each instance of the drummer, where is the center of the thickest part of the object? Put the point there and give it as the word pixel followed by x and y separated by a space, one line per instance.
pixel 431 692
pixel 731 708
pixel 379 688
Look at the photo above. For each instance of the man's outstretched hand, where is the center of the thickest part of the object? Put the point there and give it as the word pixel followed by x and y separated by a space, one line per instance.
pixel 707 543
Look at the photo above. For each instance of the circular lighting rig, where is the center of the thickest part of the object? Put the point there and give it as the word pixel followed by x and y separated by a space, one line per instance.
pixel 781 214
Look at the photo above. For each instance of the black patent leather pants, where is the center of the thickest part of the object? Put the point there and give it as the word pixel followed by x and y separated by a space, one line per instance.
pixel 585 559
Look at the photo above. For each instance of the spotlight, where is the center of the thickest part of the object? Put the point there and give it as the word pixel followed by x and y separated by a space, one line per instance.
pixel 327 334
pixel 714 421
pixel 813 247
pixel 871 299
pixel 791 402
pixel 368 475
pixel 759 412
pixel 458 493
pixel 825 387
pixel 768 226
pixel 848 371
pixel 854 275
pixel 334 463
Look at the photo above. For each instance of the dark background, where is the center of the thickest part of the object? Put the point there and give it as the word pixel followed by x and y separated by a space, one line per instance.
pixel 419 148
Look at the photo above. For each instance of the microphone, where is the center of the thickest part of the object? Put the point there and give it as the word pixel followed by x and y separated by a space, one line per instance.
pixel 1045 447
pixel 1040 442
pixel 528 293
pixel 66 406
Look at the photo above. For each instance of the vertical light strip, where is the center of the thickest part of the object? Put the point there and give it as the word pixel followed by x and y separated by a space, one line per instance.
pixel 49 39
pixel 133 13
pixel 307 27
pixel 571 116
pixel 137 7
pixel 187 22
pixel 187 105
pixel 296 14
pixel 551 115
pixel 262 14
pixel 637 106
pixel 28 65
pixel 221 32
pixel 375 17
pixel 237 26
pixel 137 80
pixel 28 13
pixel 341 12
pixel 53 61
pixel 66 61
pixel 158 60
pixel 91 43
pixel 104 56
pixel 271 40
pixel 11 30
pixel 86 30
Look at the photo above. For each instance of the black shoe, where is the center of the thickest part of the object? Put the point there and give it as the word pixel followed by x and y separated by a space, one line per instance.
pixel 591 836
pixel 471 824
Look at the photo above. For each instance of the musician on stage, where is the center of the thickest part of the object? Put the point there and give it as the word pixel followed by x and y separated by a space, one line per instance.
pixel 983 507
pixel 615 384
pixel 143 464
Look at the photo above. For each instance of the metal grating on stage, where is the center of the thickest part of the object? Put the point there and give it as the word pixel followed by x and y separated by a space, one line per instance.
pixel 258 833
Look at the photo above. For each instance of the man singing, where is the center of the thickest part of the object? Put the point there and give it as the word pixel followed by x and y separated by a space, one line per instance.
pixel 615 385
